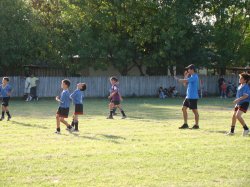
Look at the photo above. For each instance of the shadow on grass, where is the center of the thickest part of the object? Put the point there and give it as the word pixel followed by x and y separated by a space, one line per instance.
pixel 104 137
pixel 28 125
pixel 220 132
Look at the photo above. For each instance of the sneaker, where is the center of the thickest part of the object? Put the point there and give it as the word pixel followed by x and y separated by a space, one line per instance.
pixel 184 126
pixel 110 117
pixel 195 127
pixel 57 132
pixel 2 118
pixel 9 117
pixel 70 129
pixel 245 132
pixel 124 117
pixel 230 133
pixel 76 130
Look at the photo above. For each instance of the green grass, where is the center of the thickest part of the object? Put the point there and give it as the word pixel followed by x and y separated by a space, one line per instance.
pixel 146 149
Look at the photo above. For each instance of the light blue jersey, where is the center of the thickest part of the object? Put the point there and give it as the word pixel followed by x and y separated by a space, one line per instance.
pixel 192 87
pixel 241 91
pixel 77 96
pixel 65 99
pixel 5 90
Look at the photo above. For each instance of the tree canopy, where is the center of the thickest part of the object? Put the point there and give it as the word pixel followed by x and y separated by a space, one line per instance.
pixel 156 34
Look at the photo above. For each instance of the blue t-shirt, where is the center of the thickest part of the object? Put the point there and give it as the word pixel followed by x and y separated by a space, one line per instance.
pixel 192 87
pixel 5 90
pixel 243 90
pixel 77 96
pixel 65 99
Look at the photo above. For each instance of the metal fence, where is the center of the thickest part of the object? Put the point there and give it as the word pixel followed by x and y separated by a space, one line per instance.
pixel 129 85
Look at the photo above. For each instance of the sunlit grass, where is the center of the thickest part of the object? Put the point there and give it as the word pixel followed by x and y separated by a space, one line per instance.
pixel 146 149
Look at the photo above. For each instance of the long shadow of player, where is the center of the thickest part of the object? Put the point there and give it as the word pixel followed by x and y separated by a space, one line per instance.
pixel 28 125
pixel 110 138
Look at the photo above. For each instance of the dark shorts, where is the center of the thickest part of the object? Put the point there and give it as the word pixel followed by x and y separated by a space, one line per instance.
pixel 190 103
pixel 63 112
pixel 116 102
pixel 5 101
pixel 78 109
pixel 242 107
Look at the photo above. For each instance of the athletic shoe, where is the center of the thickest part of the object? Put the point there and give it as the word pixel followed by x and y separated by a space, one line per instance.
pixel 9 117
pixel 76 130
pixel 2 118
pixel 70 130
pixel 110 117
pixel 184 126
pixel 195 127
pixel 245 132
pixel 230 133
pixel 57 132
pixel 124 117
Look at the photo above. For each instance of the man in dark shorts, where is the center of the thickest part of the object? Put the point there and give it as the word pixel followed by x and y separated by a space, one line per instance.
pixel 191 80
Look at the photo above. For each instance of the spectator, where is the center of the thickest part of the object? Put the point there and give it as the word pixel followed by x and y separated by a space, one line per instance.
pixel 161 93
pixel 220 82
pixel 33 87
pixel 223 90
pixel 27 88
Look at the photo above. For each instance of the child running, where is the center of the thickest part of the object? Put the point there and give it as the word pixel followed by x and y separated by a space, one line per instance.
pixel 241 104
pixel 5 90
pixel 77 97
pixel 64 104
pixel 115 99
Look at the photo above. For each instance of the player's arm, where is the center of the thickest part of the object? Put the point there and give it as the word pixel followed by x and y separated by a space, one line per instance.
pixel 60 100
pixel 245 96
pixel 10 91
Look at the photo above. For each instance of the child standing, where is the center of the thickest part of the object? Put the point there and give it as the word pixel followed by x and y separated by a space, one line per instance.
pixel 241 104
pixel 77 97
pixel 223 90
pixel 115 99
pixel 5 90
pixel 64 104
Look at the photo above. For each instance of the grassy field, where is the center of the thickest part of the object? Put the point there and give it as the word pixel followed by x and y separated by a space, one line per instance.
pixel 146 149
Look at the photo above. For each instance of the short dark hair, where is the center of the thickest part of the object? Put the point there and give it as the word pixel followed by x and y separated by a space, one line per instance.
pixel 6 78
pixel 67 82
pixel 84 87
pixel 245 76
pixel 114 79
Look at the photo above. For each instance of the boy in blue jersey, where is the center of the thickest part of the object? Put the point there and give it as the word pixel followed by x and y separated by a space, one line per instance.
pixel 5 90
pixel 191 80
pixel 77 97
pixel 241 104
pixel 64 104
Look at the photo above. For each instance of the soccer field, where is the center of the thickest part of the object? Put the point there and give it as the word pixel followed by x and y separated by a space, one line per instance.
pixel 146 149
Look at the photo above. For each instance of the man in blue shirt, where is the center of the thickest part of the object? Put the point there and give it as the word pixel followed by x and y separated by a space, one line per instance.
pixel 77 97
pixel 64 104
pixel 191 80
pixel 5 90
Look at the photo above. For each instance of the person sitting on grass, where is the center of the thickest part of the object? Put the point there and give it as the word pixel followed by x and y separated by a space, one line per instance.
pixel 5 90
pixel 64 104
pixel 241 104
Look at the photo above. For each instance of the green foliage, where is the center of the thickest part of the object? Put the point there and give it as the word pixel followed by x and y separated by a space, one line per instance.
pixel 125 34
